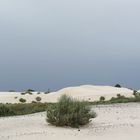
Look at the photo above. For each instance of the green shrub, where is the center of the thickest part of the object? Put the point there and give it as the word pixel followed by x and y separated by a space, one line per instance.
pixel 22 100
pixel 69 112
pixel 38 99
pixel 5 111
pixel 120 99
pixel 102 98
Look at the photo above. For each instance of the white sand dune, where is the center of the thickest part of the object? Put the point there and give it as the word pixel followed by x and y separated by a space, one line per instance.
pixel 90 92
pixel 114 122
pixel 85 92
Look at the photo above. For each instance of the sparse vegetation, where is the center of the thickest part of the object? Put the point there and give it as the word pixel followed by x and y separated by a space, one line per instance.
pixel 28 108
pixel 102 98
pixel 69 112
pixel 5 111
pixel 118 95
pixel 29 90
pixel 47 91
pixel 38 99
pixel 22 100
pixel 21 109
pixel 23 93
pixel 34 102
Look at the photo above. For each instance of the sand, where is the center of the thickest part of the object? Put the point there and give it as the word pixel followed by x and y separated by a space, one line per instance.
pixel 85 92
pixel 114 122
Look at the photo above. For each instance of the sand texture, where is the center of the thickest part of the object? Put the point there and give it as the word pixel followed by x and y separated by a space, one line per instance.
pixel 114 122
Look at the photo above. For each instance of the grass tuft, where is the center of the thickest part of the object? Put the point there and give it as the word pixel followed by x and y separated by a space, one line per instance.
pixel 69 112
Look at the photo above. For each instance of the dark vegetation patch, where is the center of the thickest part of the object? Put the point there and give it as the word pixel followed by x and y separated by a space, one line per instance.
pixel 69 112
pixel 38 99
pixel 34 107
pixel 22 109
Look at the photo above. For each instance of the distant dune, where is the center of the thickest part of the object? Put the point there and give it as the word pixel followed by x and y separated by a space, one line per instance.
pixel 84 92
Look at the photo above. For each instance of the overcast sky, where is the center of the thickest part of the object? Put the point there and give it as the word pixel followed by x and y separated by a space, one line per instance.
pixel 59 43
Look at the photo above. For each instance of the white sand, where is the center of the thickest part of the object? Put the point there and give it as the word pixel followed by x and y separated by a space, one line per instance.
pixel 114 122
pixel 86 92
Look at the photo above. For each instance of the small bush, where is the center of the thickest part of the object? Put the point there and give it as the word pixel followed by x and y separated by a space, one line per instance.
pixel 5 111
pixel 38 93
pixel 69 112
pixel 22 100
pixel 102 98
pixel 47 91
pixel 38 99
pixel 23 93
pixel 29 90
pixel 118 95
pixel 118 86
pixel 135 93
pixel 120 99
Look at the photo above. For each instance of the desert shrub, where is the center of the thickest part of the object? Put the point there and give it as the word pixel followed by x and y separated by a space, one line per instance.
pixel 34 102
pixel 38 93
pixel 118 85
pixel 16 97
pixel 69 112
pixel 134 92
pixel 137 96
pixel 5 111
pixel 47 91
pixel 23 93
pixel 120 99
pixel 38 99
pixel 22 100
pixel 102 98
pixel 118 95
pixel 29 90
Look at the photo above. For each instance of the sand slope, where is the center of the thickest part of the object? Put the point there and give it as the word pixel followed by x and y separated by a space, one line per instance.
pixel 91 93
pixel 114 122
pixel 85 92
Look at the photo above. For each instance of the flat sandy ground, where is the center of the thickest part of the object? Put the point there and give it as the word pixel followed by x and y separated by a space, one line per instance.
pixel 114 122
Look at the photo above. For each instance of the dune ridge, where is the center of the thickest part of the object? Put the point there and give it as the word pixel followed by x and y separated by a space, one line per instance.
pixel 83 92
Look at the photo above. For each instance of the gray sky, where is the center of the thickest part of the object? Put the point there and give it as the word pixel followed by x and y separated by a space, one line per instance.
pixel 58 43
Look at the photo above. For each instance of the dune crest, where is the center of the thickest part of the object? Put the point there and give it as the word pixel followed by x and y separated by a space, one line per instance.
pixel 83 92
